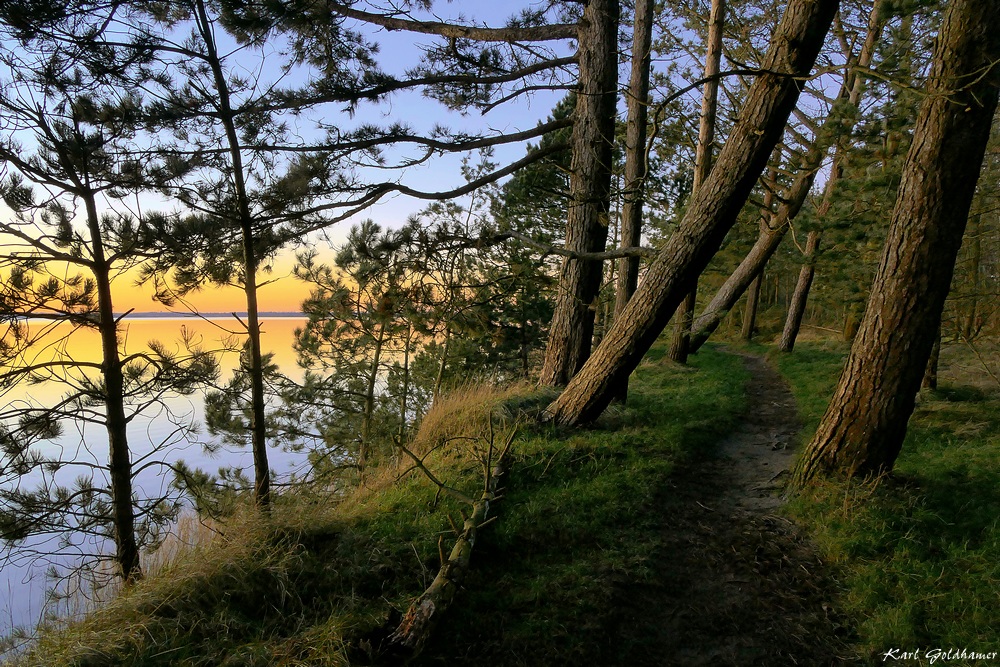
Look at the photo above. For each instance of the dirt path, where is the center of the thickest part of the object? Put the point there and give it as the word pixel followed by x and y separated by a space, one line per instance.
pixel 739 584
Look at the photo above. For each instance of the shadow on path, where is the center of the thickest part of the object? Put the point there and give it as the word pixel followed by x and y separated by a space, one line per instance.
pixel 739 585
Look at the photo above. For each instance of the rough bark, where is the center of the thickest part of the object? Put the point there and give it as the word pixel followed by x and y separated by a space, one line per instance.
pixel 772 235
pixel 863 429
pixel 684 316
pixel 711 212
pixel 635 158
pixel 572 329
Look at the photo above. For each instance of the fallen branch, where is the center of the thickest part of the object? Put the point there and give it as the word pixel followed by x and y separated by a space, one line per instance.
pixel 406 642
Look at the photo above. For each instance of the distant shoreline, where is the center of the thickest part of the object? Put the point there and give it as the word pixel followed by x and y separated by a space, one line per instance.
pixel 154 315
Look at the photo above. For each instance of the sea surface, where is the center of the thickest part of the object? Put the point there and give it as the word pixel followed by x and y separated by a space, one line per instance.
pixel 23 581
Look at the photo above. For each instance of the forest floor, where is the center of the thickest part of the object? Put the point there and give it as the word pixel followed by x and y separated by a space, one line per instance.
pixel 741 584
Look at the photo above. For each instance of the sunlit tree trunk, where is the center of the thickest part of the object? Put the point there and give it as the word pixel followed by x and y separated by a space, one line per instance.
pixel 405 393
pixel 711 213
pixel 635 158
pixel 439 380
pixel 863 429
pixel 572 329
pixel 369 409
pixel 680 345
pixel 797 306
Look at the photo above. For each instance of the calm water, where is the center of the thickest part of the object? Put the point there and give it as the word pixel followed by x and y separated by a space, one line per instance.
pixel 23 584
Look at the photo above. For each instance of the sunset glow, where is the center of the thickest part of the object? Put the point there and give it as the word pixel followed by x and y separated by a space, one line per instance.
pixel 282 293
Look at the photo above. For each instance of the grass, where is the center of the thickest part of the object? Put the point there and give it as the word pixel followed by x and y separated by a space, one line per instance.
pixel 582 522
pixel 919 553
pixel 578 526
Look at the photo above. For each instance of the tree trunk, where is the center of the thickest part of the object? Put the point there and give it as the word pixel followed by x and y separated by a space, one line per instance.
pixel 119 457
pixel 416 626
pixel 369 409
pixel 797 307
pixel 405 393
pixel 680 342
pixel 863 429
pixel 750 316
pixel 971 329
pixel 856 84
pixel 711 212
pixel 635 159
pixel 258 425
pixel 930 380
pixel 439 380
pixel 572 329
pixel 836 125
pixel 684 316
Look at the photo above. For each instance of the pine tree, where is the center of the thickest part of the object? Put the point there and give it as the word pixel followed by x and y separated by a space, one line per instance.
pixel 68 147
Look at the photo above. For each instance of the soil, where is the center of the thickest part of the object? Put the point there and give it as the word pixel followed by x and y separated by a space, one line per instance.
pixel 739 583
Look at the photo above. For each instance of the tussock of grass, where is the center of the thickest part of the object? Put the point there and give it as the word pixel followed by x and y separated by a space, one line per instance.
pixel 577 530
pixel 919 552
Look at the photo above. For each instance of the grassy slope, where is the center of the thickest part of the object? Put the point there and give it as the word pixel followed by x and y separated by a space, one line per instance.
pixel 919 554
pixel 576 528
pixel 581 523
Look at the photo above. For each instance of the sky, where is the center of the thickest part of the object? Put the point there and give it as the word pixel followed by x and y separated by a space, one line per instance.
pixel 399 51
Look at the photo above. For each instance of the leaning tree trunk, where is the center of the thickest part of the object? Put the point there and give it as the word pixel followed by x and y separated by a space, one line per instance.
pixel 930 379
pixel 750 316
pixel 711 212
pixel 572 329
pixel 863 429
pixel 970 328
pixel 119 456
pixel 753 297
pixel 680 346
pixel 837 124
pixel 797 307
pixel 635 158
pixel 856 84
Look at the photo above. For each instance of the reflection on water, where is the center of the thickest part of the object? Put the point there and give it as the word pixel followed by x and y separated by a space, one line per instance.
pixel 22 582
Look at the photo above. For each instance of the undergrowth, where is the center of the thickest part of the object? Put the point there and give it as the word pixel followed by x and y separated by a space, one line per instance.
pixel 306 584
pixel 918 553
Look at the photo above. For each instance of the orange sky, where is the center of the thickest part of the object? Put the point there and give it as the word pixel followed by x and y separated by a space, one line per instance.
pixel 284 294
